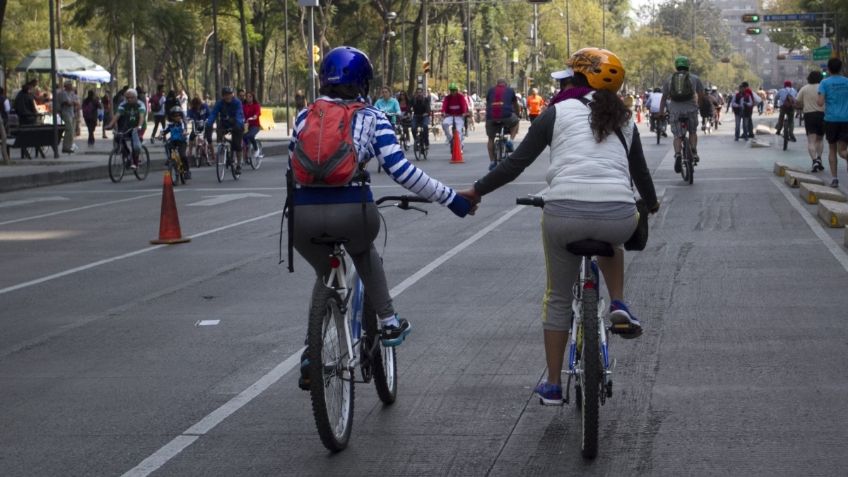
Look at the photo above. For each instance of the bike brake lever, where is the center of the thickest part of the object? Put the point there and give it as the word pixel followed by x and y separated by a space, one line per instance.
pixel 419 209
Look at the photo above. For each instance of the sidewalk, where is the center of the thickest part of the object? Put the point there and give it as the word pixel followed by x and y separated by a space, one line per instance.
pixel 90 162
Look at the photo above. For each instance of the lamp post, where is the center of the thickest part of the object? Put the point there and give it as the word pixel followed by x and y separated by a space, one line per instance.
pixel 505 40
pixel 567 29
pixel 603 24
pixel 387 34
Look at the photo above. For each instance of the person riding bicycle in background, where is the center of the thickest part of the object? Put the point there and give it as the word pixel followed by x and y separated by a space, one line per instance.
pixel 405 116
pixel 785 102
pixel 230 114
pixel 535 104
pixel 198 113
pixel 348 210
pixel 718 103
pixel 595 152
pixel 252 110
pixel 388 105
pixel 178 139
pixel 131 118
pixel 707 109
pixel 653 105
pixel 682 93
pixel 454 109
pixel 421 114
pixel 502 110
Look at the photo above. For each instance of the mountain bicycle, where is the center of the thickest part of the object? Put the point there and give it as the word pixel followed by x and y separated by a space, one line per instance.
pixel 788 128
pixel 687 163
pixel 707 123
pixel 200 148
pixel 420 135
pixel 253 155
pixel 589 363
pixel 500 144
pixel 120 159
pixel 174 162
pixel 343 335
pixel 224 157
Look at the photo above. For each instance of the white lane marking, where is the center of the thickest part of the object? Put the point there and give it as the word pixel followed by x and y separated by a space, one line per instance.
pixel 190 435
pixel 207 322
pixel 12 203
pixel 76 209
pixel 89 266
pixel 211 200
pixel 817 228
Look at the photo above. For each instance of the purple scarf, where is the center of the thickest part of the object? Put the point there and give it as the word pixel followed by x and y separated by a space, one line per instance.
pixel 570 93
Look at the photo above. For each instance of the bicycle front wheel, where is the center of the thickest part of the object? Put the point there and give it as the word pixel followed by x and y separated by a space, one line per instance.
pixel 116 166
pixel 590 387
pixel 143 164
pixel 256 155
pixel 330 380
pixel 383 359
pixel 221 162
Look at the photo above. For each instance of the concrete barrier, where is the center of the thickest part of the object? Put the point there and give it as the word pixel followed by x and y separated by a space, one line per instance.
pixel 794 178
pixel 834 214
pixel 763 129
pixel 780 168
pixel 812 193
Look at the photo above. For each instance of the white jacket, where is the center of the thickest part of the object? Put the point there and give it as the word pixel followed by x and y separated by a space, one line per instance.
pixel 583 169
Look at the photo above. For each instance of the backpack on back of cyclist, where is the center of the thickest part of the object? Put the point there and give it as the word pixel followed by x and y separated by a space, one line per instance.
pixel 324 155
pixel 680 86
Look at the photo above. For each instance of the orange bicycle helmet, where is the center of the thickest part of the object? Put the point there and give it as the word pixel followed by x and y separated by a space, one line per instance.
pixel 602 68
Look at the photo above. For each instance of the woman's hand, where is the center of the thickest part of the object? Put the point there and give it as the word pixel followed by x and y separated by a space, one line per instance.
pixel 472 196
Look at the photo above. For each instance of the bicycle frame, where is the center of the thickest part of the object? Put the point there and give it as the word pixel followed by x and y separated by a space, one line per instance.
pixel 344 279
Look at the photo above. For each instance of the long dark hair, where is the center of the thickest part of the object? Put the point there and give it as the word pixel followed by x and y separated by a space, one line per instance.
pixel 608 110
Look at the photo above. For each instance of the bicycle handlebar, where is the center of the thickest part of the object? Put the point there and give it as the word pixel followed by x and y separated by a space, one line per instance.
pixel 403 201
pixel 533 200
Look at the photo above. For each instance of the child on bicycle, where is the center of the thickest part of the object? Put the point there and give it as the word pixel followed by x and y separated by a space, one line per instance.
pixel 344 207
pixel 178 137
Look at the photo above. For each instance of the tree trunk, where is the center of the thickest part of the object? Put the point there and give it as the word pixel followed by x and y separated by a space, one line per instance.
pixel 2 17
pixel 245 48
pixel 416 46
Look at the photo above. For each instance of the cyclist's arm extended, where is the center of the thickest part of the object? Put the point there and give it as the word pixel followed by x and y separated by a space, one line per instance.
pixel 539 136
pixel 639 172
pixel 213 114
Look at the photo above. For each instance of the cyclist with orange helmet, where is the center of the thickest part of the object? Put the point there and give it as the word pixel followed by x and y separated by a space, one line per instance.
pixel 595 153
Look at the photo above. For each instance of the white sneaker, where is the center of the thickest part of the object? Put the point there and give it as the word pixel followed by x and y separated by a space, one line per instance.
pixel 74 148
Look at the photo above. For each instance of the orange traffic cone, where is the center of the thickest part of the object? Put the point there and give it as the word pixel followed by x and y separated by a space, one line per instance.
pixel 169 222
pixel 639 116
pixel 456 149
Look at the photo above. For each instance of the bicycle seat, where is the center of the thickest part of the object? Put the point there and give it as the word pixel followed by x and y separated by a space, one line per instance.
pixel 328 240
pixel 589 247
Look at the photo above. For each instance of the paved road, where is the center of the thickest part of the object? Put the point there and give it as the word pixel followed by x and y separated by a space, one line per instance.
pixel 104 369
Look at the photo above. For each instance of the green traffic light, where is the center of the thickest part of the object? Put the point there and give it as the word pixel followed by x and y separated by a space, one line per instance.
pixel 754 30
pixel 750 18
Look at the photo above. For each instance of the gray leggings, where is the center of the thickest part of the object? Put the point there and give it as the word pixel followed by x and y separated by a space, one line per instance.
pixel 562 266
pixel 345 220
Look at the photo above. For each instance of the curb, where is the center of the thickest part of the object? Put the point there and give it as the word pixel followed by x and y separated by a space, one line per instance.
pixel 96 172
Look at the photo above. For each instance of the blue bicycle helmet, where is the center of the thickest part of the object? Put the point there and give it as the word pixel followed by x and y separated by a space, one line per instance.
pixel 346 65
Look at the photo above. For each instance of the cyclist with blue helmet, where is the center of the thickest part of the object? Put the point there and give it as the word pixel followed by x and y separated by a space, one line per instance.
pixel 349 210
pixel 228 110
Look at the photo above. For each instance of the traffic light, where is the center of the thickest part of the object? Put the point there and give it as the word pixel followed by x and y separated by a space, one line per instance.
pixel 754 30
pixel 316 53
pixel 750 18
pixel 425 66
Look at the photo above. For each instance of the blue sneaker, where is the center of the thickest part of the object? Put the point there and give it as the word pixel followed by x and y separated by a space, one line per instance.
pixel 623 322
pixel 393 335
pixel 549 394
pixel 509 146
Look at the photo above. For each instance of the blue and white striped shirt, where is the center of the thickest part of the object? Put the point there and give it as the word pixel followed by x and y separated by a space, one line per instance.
pixel 373 136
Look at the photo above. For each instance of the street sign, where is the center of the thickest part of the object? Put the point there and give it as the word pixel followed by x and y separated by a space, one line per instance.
pixel 791 17
pixel 799 57
pixel 822 53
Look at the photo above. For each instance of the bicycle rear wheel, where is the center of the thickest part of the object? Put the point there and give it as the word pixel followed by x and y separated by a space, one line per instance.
pixel 590 387
pixel 330 381
pixel 143 164
pixel 383 359
pixel 686 169
pixel 786 135
pixel 221 162
pixel 233 164
pixel 116 166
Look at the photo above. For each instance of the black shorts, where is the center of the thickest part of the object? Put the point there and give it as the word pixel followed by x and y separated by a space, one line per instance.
pixel 814 123
pixel 492 126
pixel 836 132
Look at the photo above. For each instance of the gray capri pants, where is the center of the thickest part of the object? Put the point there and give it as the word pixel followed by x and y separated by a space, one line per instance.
pixel 562 266
pixel 345 220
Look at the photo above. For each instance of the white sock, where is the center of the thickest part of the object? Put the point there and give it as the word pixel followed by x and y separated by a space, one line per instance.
pixel 390 321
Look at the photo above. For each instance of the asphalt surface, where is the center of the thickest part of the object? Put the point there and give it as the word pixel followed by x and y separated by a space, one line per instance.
pixel 105 367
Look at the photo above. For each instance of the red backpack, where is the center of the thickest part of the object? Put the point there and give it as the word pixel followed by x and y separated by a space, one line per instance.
pixel 324 155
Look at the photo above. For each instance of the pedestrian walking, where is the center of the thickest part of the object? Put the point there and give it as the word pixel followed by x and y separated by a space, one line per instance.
pixel 65 100
pixel 106 107
pixel 90 108
pixel 157 106
pixel 833 95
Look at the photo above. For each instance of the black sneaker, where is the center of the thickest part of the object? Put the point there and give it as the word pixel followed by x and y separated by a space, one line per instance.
pixel 817 166
pixel 677 159
pixel 792 138
pixel 238 169
pixel 394 335
pixel 303 381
